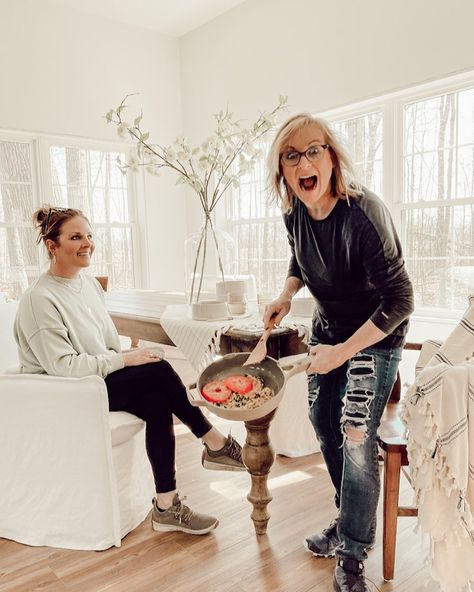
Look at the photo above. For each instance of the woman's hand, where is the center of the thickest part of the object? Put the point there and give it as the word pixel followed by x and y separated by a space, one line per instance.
pixel 140 356
pixel 325 358
pixel 275 311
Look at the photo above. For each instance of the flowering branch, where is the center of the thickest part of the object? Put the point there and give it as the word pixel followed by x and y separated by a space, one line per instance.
pixel 213 159
pixel 228 154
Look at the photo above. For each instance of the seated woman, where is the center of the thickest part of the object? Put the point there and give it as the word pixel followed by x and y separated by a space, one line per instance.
pixel 63 329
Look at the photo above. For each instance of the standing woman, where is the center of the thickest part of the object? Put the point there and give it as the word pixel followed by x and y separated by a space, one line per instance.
pixel 63 329
pixel 345 250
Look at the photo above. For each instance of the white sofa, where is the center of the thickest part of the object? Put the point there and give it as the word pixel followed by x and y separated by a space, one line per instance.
pixel 73 474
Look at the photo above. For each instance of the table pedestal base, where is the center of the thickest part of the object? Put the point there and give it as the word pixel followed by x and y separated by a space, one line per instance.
pixel 258 457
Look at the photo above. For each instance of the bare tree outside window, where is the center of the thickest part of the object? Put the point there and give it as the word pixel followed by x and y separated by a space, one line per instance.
pixel 91 181
pixel 363 137
pixel 19 259
pixel 82 178
pixel 438 198
pixel 261 245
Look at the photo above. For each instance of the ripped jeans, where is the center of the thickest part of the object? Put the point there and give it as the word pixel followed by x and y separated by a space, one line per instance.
pixel 350 400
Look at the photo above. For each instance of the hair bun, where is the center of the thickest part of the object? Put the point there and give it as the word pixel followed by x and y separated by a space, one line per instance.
pixel 40 215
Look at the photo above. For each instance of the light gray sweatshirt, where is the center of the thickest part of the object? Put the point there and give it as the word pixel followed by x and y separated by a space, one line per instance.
pixel 63 329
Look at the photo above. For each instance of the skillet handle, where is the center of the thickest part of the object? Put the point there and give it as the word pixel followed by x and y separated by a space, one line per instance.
pixel 300 366
pixel 194 396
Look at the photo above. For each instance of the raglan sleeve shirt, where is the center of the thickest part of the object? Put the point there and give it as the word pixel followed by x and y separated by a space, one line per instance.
pixel 63 333
pixel 381 257
pixel 352 263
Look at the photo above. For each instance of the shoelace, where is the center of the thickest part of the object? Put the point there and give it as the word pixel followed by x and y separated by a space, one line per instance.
pixel 234 450
pixel 182 512
pixel 331 530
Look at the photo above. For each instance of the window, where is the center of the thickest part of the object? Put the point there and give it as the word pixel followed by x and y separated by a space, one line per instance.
pixel 415 149
pixel 364 140
pixel 19 258
pixel 261 246
pixel 75 174
pixel 438 198
pixel 90 180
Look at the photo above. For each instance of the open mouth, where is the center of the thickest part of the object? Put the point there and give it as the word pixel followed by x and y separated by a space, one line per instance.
pixel 308 183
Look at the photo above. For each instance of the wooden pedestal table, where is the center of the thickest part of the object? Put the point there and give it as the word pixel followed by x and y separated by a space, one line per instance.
pixel 257 453
pixel 258 457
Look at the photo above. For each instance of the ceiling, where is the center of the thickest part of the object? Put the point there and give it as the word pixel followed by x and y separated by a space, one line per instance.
pixel 170 17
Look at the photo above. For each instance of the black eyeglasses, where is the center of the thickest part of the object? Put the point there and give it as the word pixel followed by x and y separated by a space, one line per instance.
pixel 313 154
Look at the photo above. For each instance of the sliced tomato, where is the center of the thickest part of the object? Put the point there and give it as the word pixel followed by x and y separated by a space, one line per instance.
pixel 239 383
pixel 216 391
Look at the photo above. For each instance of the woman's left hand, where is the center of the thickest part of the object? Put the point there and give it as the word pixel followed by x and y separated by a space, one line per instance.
pixel 325 358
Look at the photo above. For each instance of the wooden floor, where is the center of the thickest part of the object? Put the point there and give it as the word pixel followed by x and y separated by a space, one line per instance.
pixel 230 559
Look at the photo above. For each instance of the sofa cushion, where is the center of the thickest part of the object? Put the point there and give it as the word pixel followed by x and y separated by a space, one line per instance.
pixel 123 426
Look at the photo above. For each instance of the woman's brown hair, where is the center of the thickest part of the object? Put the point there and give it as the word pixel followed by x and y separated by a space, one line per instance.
pixel 48 220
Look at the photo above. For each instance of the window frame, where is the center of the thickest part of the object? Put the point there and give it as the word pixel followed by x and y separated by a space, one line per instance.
pixel 40 145
pixel 392 106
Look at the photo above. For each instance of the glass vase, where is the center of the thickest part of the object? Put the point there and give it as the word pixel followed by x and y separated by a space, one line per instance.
pixel 209 258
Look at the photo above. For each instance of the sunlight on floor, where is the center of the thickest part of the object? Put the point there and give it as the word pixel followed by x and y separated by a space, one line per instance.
pixel 231 491
pixel 288 479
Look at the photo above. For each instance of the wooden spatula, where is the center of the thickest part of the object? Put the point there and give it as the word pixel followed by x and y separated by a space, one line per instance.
pixel 260 350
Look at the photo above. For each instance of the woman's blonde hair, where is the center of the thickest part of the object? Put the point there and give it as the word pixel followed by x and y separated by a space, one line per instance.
pixel 343 181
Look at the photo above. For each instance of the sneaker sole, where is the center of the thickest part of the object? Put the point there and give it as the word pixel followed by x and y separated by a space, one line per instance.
pixel 174 528
pixel 214 466
pixel 333 554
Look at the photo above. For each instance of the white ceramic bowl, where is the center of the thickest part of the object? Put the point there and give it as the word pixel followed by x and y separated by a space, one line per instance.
pixel 209 310
pixel 230 286
pixel 302 307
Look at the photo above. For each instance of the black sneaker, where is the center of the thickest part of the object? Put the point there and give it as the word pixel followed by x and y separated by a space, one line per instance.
pixel 323 544
pixel 349 576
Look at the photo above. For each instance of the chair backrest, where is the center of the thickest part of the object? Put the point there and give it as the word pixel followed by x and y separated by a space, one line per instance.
pixel 103 281
pixel 8 346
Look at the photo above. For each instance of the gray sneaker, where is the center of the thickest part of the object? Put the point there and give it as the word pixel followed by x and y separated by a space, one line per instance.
pixel 228 458
pixel 323 544
pixel 182 518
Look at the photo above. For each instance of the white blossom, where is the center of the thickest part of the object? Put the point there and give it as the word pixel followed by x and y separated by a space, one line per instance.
pixel 122 130
pixel 226 155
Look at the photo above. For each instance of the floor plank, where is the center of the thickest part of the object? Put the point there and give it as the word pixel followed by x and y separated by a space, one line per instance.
pixel 230 559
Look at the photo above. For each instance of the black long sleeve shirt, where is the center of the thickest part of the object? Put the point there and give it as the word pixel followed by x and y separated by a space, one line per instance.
pixel 352 264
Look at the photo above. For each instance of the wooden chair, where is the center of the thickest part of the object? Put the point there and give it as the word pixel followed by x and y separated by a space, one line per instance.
pixel 103 281
pixel 394 452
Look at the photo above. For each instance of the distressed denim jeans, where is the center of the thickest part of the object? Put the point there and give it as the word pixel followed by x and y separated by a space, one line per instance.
pixel 345 407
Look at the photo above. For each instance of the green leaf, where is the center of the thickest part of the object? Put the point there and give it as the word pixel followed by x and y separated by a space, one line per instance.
pixel 144 137
pixel 136 123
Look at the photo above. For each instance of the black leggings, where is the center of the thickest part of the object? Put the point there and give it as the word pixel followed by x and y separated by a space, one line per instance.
pixel 154 392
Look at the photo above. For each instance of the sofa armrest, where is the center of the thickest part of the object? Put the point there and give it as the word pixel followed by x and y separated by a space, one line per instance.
pixel 53 426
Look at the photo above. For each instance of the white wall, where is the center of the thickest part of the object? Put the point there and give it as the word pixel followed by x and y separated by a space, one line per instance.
pixel 61 71
pixel 322 54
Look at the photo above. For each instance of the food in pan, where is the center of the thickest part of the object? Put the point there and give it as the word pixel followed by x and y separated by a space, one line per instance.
pixel 238 391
